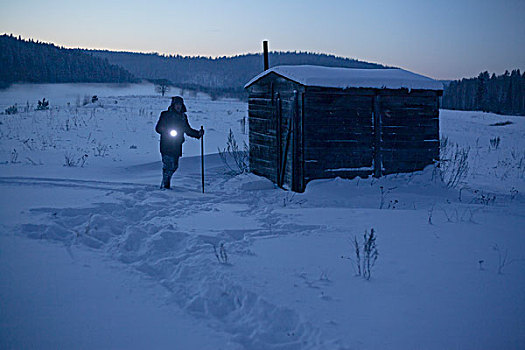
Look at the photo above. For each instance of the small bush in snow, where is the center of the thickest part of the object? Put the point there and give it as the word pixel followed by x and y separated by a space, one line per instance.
pixel 515 164
pixel 430 214
pixel 483 198
pixel 494 142
pixel 232 151
pixel 71 160
pixel 366 255
pixel 289 199
pixel 100 150
pixel 453 164
pixel 11 110
pixel 42 105
pixel 384 193
pixel 221 255
pixel 392 204
pixel 14 156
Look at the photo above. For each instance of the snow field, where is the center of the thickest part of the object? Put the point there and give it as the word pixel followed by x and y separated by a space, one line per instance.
pixel 101 306
pixel 289 282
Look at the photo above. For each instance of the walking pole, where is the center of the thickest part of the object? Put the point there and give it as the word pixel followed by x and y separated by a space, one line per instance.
pixel 202 157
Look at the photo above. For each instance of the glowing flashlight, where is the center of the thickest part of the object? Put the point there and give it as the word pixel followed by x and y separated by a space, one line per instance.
pixel 173 133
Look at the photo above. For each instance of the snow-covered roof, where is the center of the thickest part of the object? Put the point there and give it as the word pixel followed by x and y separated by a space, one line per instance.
pixel 342 78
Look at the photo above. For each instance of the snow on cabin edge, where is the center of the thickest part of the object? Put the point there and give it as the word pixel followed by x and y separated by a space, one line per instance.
pixel 343 78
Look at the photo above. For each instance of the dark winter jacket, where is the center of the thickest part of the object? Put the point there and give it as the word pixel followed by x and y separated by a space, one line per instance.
pixel 171 120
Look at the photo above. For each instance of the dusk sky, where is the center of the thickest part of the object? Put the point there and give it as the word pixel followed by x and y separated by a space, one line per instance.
pixel 446 39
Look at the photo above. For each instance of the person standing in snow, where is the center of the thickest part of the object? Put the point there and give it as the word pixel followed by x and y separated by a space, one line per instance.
pixel 172 126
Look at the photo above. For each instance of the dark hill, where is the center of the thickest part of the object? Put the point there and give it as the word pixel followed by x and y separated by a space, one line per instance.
pixel 216 75
pixel 37 62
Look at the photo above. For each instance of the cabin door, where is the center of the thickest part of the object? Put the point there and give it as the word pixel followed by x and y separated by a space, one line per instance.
pixel 283 138
pixel 289 136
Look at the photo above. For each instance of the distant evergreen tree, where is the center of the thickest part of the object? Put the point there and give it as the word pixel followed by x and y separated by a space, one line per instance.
pixel 504 94
pixel 482 91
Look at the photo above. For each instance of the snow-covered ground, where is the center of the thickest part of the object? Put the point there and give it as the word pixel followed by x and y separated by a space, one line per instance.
pixel 96 256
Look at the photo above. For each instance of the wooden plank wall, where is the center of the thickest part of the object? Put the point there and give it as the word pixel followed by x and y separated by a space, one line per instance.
pixel 338 133
pixel 409 129
pixel 262 132
pixel 271 97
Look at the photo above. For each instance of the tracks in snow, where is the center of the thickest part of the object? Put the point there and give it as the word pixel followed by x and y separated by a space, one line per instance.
pixel 71 183
pixel 151 230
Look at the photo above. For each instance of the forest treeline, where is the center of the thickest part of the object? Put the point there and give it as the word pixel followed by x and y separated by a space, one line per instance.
pixel 36 62
pixel 503 94
pixel 222 75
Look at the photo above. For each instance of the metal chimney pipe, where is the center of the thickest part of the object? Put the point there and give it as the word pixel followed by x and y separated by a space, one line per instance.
pixel 265 53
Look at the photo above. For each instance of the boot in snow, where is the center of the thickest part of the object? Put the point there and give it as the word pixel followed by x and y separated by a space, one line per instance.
pixel 166 182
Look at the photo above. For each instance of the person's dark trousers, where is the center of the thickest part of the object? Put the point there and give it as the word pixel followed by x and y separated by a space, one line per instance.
pixel 169 165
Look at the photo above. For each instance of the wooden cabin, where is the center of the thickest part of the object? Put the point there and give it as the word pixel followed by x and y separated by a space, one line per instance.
pixel 313 122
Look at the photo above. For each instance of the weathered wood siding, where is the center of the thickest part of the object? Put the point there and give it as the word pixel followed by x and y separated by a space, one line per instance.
pixel 272 132
pixel 409 129
pixel 262 132
pixel 338 133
